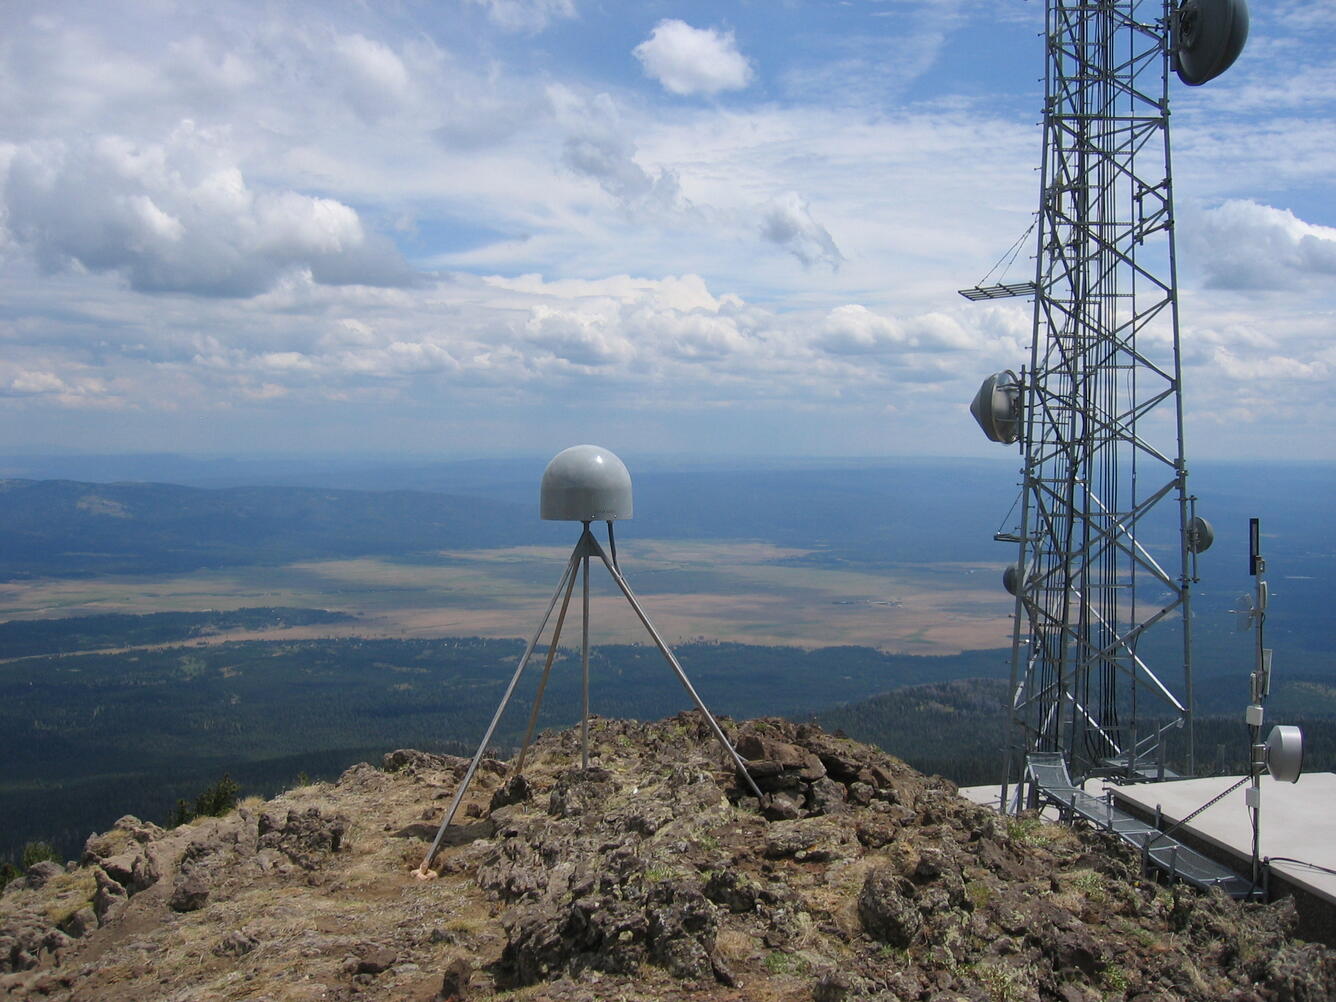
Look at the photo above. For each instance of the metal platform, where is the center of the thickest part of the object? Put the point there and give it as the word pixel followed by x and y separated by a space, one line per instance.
pixel 1004 290
pixel 1048 771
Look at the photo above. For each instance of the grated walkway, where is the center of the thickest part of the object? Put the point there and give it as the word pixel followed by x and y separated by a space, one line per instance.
pixel 1048 771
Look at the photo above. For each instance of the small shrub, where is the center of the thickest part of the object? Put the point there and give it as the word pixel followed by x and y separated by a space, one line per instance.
pixel 214 802
pixel 1030 831
pixel 38 852
pixel 779 962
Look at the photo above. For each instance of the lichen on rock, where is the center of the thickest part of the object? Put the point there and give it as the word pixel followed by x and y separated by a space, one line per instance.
pixel 651 875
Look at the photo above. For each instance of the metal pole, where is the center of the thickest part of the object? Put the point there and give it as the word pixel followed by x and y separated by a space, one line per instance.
pixel 681 675
pixel 542 682
pixel 584 655
pixel 571 565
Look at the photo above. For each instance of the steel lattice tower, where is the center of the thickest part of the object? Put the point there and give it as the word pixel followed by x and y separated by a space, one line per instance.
pixel 1107 535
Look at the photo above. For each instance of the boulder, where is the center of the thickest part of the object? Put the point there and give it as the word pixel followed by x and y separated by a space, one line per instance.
pixel 887 909
pixel 39 873
pixel 305 837
pixel 110 898
pixel 190 894
pixel 369 958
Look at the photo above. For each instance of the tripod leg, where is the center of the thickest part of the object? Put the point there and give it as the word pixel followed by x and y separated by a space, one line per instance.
pixel 584 662
pixel 571 566
pixel 542 682
pixel 681 675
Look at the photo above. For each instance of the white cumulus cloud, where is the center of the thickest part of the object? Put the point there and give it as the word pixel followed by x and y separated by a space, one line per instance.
pixel 689 60
pixel 177 216
pixel 1243 244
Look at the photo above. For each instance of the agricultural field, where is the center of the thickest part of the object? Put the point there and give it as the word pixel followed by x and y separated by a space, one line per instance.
pixel 749 592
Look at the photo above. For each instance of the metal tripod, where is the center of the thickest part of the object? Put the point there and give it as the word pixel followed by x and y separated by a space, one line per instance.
pixel 578 566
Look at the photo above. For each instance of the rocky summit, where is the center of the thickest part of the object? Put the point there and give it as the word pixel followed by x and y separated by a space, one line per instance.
pixel 651 875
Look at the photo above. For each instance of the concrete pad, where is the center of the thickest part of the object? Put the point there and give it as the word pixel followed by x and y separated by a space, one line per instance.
pixel 1298 821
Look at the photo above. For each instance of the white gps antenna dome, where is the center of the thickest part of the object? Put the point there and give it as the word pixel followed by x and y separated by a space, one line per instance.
pixel 585 483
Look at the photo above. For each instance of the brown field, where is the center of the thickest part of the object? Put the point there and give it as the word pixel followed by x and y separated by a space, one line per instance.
pixel 732 591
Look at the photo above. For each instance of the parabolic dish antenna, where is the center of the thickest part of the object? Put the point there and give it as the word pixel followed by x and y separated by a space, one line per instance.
pixel 1285 753
pixel 585 483
pixel 997 407
pixel 1201 534
pixel 1210 36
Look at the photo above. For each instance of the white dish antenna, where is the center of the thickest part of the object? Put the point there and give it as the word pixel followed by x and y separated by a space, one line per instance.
pixel 1285 753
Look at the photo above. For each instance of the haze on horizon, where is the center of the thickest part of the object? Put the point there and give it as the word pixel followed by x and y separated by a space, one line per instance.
pixel 504 226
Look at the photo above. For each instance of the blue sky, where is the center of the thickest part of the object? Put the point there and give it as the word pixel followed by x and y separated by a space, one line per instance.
pixel 503 226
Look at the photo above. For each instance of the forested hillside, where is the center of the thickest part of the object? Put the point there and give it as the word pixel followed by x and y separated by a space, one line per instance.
pixel 32 637
pixel 88 737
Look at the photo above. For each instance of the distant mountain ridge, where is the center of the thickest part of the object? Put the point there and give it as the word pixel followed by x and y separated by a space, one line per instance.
pixel 69 528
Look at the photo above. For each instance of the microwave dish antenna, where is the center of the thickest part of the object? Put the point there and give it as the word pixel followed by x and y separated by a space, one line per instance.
pixel 1108 532
pixel 584 483
pixel 997 407
pixel 1208 36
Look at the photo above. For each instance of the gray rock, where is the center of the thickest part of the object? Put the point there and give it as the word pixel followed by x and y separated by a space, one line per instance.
pixel 369 958
pixel 455 834
pixel 190 894
pixel 887 909
pixel 827 797
pixel 81 923
pixel 39 873
pixel 55 941
pixel 809 840
pixel 135 871
pixel 782 807
pixel 236 943
pixel 580 792
pixel 732 891
pixel 364 778
pixel 682 929
pixel 305 837
pixel 110 898
pixel 515 790
pixel 415 762
pixel 455 981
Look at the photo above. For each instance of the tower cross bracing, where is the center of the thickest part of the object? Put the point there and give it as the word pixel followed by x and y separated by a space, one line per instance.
pixel 1103 555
